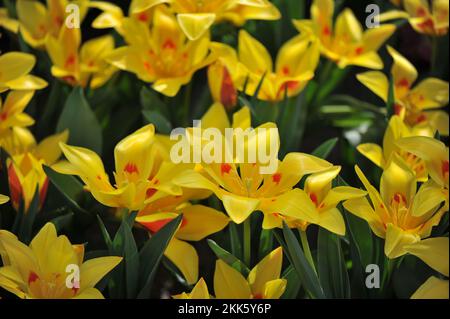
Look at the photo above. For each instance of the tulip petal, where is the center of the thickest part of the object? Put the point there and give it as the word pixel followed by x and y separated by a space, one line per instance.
pixel 239 208
pixel 253 54
pixel 433 288
pixel 268 269
pixel 373 152
pixel 93 270
pixel 229 283
pixel 434 252
pixel 89 293
pixel 333 221
pixel 195 25
pixel 396 240
pixel 185 258
pixel 274 289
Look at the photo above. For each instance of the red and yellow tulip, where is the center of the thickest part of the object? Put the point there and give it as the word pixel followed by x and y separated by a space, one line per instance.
pixel 344 41
pixel 39 271
pixel 414 104
pixel 399 213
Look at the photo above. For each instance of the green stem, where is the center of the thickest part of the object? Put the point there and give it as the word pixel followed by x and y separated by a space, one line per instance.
pixel 247 242
pixel 306 249
pixel 387 274
pixel 434 54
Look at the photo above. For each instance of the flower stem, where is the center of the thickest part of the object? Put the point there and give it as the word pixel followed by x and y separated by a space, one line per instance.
pixel 306 249
pixel 247 242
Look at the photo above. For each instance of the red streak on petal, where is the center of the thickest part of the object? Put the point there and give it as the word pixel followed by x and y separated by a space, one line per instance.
pixel 71 59
pixel 14 185
pixel 286 70
pixel 3 116
pixel 403 83
pixel 143 17
pixel 314 199
pixel 225 168
pixel 32 277
pixel 326 31
pixel 421 118
pixel 258 296
pixel 228 94
pixel 397 109
pixel 445 169
pixel 150 192
pixel 156 226
pixel 421 12
pixel 359 50
pixel 43 192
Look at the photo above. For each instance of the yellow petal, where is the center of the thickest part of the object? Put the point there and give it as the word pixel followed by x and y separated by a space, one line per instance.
pixel 216 117
pixel 376 81
pixel 348 27
pixel 373 152
pixel 253 54
pixel 3 199
pixel 430 93
pixel 89 293
pixel 185 258
pixel 239 208
pixel 269 268
pixel 332 220
pixel 396 240
pixel 434 252
pixel 229 283
pixel 360 207
pixel 439 120
pixel 93 270
pixel 374 38
pixel 15 65
pixel 200 290
pixel 201 221
pixel 339 194
pixel 433 288
pixel 274 289
pixel 403 72
pixel 195 25
pixel 42 242
pixel 49 149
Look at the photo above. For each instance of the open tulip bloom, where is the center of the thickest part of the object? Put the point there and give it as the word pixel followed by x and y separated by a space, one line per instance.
pixel 224 149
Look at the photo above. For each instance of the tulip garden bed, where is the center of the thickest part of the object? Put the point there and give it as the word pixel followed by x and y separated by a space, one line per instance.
pixel 228 149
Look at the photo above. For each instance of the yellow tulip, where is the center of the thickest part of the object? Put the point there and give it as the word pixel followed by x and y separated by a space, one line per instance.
pixel 426 19
pixel 80 66
pixel 38 21
pixel 316 204
pixel 344 43
pixel 434 252
pixel 242 187
pixel 263 281
pixel 196 17
pixel 226 75
pixel 434 154
pixel 25 172
pixel 14 72
pixel 161 55
pixel 141 177
pixel 7 22
pixel 396 130
pixel 399 213
pixel 414 104
pixel 39 271
pixel 200 291
pixel 11 113
pixel 295 66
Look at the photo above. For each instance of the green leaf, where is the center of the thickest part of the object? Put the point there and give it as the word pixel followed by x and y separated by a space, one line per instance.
pixel 63 221
pixel 28 218
pixel 324 150
pixel 150 101
pixel 78 118
pixel 228 258
pixel 331 266
pixel 236 246
pixel 306 274
pixel 151 254
pixel 161 123
pixel 265 243
pixel 293 283
pixel 69 186
pixel 105 234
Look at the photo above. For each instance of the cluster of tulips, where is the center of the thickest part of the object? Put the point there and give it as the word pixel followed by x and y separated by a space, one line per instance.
pixel 55 179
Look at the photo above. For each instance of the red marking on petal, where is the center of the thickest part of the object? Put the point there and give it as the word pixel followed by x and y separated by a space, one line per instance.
pixel 43 192
pixel 276 178
pixel 32 277
pixel 156 226
pixel 131 168
pixel 421 12
pixel 286 70
pixel 150 192
pixel 258 296
pixel 169 44
pixel 3 116
pixel 15 188
pixel 359 50
pixel 445 169
pixel 403 83
pixel 421 118
pixel 313 198
pixel 228 94
pixel 326 31
pixel 70 61
pixel 225 168
pixel 143 17
pixel 147 66
pixel 398 109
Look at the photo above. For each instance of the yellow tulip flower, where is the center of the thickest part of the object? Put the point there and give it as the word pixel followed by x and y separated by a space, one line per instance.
pixel 14 72
pixel 296 63
pixel 399 213
pixel 425 19
pixel 38 21
pixel 80 66
pixel 200 291
pixel 196 17
pixel 226 75
pixel 25 172
pixel 396 130
pixel 344 43
pixel 7 22
pixel 241 186
pixel 11 113
pixel 39 271
pixel 198 222
pixel 416 104
pixel 434 252
pixel 161 55
pixel 316 204
pixel 263 281
pixel 141 175
pixel 435 155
